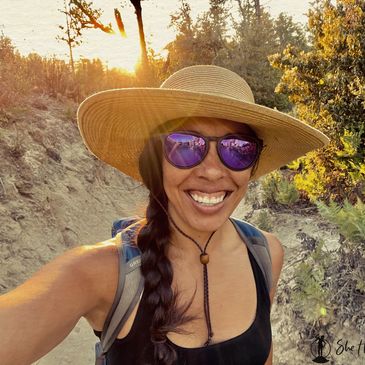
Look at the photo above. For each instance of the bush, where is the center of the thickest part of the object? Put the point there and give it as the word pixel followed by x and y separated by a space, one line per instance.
pixel 13 79
pixel 264 221
pixel 20 76
pixel 277 189
pixel 350 219
pixel 334 173
pixel 311 294
pixel 330 285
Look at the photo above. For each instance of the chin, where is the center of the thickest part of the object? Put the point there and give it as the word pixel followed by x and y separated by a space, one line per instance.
pixel 200 223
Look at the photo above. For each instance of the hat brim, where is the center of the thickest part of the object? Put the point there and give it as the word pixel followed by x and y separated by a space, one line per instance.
pixel 115 125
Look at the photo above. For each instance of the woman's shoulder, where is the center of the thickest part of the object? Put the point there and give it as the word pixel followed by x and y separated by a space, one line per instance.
pixel 274 244
pixel 99 266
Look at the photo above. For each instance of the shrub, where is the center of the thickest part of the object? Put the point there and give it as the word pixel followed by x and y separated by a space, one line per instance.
pixel 264 221
pixel 335 173
pixel 19 76
pixel 277 189
pixel 329 287
pixel 350 219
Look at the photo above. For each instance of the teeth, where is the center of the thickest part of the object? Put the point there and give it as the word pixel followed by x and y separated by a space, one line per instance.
pixel 206 200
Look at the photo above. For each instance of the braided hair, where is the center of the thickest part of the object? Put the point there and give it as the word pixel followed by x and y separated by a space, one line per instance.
pixel 153 240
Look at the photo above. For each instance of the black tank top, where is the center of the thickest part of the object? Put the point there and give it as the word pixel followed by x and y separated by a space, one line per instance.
pixel 251 347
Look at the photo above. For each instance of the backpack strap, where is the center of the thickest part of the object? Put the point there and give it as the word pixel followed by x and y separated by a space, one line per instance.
pixel 130 284
pixel 257 243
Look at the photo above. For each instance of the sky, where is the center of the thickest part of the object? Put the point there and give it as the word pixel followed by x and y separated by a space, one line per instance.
pixel 33 27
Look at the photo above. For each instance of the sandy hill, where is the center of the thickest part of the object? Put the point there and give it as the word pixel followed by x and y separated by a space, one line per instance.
pixel 54 195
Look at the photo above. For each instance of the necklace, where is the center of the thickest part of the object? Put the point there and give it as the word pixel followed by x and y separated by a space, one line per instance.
pixel 204 260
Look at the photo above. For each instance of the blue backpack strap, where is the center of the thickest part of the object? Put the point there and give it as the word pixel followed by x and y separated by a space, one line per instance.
pixel 130 284
pixel 257 243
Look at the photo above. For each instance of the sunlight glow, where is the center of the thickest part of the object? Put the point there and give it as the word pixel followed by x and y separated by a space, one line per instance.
pixel 118 52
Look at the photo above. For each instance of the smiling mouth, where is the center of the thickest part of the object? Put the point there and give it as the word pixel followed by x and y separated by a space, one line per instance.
pixel 208 200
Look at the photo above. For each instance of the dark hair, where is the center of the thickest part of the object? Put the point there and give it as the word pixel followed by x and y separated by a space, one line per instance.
pixel 153 240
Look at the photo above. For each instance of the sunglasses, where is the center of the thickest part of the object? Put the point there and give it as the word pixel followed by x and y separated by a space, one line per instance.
pixel 185 150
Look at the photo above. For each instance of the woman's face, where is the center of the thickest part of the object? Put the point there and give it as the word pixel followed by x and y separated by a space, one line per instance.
pixel 187 188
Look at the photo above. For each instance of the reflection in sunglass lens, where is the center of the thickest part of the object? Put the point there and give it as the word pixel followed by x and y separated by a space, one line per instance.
pixel 237 154
pixel 184 150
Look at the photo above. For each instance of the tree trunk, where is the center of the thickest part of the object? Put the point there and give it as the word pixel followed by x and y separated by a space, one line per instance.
pixel 69 40
pixel 257 9
pixel 142 40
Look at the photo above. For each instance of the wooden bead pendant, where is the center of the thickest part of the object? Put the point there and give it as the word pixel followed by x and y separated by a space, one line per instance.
pixel 204 258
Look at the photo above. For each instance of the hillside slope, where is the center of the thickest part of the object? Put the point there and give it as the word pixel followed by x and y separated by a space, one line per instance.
pixel 53 193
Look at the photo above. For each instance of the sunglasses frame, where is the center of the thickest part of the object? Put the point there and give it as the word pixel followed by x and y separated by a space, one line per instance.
pixel 207 139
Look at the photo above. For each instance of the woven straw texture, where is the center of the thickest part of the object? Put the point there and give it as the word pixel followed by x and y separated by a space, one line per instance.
pixel 115 124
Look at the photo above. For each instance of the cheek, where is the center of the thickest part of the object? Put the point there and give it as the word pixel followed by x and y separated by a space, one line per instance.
pixel 171 178
pixel 242 180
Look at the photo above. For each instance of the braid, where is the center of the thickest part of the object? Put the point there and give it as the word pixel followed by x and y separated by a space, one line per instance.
pixel 157 271
pixel 153 241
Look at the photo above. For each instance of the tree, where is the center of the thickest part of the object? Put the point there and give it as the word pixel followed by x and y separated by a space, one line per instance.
pixel 86 17
pixel 326 83
pixel 83 15
pixel 142 41
pixel 289 32
pixel 204 42
pixel 71 36
pixel 182 50
pixel 256 36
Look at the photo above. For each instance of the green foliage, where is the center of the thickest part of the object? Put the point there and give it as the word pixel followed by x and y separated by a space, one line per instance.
pixel 264 221
pixel 311 293
pixel 201 43
pixel 329 287
pixel 245 52
pixel 278 189
pixel 350 219
pixel 326 84
pixel 287 193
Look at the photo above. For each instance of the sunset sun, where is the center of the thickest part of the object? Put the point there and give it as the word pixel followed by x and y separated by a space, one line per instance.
pixel 120 52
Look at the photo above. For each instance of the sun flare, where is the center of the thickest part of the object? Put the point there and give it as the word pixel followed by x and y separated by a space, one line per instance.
pixel 122 52
pixel 115 51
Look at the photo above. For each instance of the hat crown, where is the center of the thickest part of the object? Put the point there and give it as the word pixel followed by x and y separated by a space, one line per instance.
pixel 210 79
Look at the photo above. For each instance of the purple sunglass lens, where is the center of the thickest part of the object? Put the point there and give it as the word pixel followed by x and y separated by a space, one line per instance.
pixel 184 150
pixel 238 154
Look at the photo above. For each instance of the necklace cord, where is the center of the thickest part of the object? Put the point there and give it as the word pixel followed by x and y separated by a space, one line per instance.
pixel 203 255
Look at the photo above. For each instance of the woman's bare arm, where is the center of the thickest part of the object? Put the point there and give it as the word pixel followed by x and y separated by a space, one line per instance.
pixel 40 313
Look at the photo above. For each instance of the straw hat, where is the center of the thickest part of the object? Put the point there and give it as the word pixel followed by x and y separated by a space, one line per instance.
pixel 115 124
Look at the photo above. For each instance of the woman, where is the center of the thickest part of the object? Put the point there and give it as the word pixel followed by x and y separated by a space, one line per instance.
pixel 195 142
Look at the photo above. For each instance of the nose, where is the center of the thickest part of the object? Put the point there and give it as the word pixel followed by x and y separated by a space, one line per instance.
pixel 211 168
